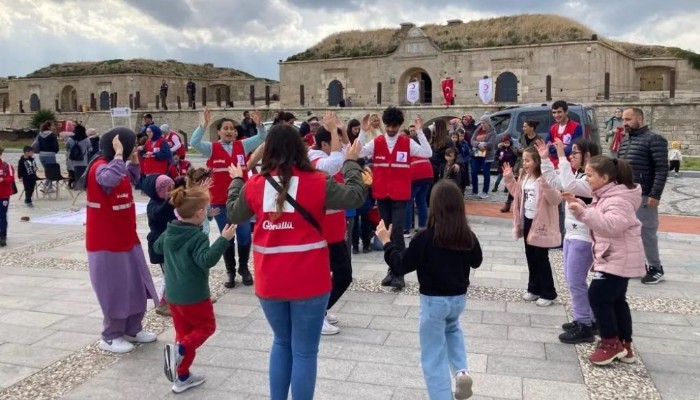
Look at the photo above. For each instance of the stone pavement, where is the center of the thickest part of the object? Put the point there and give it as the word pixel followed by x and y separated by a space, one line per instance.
pixel 50 322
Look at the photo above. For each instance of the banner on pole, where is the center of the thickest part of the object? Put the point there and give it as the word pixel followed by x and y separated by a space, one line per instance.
pixel 448 87
pixel 413 92
pixel 486 90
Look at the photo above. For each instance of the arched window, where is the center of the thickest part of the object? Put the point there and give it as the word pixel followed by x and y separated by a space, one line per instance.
pixel 507 88
pixel 335 93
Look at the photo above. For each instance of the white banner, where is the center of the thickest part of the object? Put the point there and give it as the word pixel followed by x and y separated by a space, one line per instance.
pixel 121 112
pixel 486 90
pixel 413 92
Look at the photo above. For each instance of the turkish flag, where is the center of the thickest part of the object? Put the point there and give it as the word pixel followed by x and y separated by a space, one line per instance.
pixel 448 85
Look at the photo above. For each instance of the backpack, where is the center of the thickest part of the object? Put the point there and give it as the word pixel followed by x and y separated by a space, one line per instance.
pixel 76 153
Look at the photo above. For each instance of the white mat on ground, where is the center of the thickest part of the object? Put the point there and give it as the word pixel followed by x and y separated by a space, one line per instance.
pixel 75 217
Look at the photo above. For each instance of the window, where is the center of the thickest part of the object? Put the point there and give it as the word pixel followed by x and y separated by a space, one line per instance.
pixel 540 116
pixel 501 122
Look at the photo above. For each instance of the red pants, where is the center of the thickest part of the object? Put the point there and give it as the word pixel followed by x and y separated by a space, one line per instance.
pixel 194 324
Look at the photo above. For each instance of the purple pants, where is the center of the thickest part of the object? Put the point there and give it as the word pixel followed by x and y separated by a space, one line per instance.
pixel 578 258
pixel 115 328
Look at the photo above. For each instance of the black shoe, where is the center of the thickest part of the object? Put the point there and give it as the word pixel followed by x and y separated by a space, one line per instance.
pixel 580 333
pixel 355 250
pixel 3 242
pixel 398 283
pixel 246 277
pixel 367 249
pixel 571 325
pixel 230 282
pixel 388 279
pixel 654 275
pixel 495 189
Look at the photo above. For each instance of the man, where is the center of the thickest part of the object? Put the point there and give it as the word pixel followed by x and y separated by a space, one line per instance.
pixel 147 123
pixel 391 154
pixel 164 94
pixel 191 93
pixel 563 129
pixel 647 154
pixel 614 129
pixel 249 126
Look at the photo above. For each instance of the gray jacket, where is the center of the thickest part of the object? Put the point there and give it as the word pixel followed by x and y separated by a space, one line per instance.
pixel 489 143
pixel 85 148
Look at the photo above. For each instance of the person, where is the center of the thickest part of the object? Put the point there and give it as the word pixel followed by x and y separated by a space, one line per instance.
pixel 391 154
pixel 440 144
pixel 249 126
pixel 536 220
pixel 220 155
pixel 202 177
pixel 452 171
pixel 7 189
pixel 617 252
pixel 164 95
pixel 174 141
pixel 363 228
pixel 506 153
pixel 47 147
pixel 26 170
pixel 442 255
pixel 313 127
pixel 463 150
pixel 564 129
pixel 156 152
pixel 469 126
pixel 191 94
pixel 527 139
pixel 147 122
pixel 571 178
pixel 483 153
pixel 647 153
pixel 614 130
pixel 179 167
pixel 188 259
pixel 118 271
pixel 675 157
pixel 78 148
pixel 375 128
pixel 421 181
pixel 353 130
pixel 289 198
pixel 94 137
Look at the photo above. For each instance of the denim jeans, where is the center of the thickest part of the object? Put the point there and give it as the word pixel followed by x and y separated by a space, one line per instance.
pixel 243 233
pixel 296 325
pixel 419 198
pixel 479 163
pixel 4 206
pixel 442 349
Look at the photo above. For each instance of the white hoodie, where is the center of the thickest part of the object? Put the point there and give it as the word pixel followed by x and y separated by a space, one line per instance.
pixel 575 183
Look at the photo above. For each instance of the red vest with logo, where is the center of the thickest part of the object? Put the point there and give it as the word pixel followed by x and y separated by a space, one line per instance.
pixel 219 162
pixel 111 217
pixel 334 223
pixel 290 256
pixel 391 171
pixel 565 137
pixel 151 165
pixel 421 168
pixel 182 151
pixel 179 169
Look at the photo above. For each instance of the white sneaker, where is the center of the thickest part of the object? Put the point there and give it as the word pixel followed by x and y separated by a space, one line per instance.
pixel 171 360
pixel 329 329
pixel 118 346
pixel 142 337
pixel 194 380
pixel 544 302
pixel 530 297
pixel 463 385
pixel 483 196
pixel 332 319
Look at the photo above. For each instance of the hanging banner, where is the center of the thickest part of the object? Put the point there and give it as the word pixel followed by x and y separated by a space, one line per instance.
pixel 448 86
pixel 413 92
pixel 486 90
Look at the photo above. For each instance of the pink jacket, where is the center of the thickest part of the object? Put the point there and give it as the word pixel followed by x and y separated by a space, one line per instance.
pixel 545 226
pixel 616 231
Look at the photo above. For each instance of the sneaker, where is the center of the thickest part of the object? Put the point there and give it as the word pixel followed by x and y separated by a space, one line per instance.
pixel 388 279
pixel 29 205
pixel 571 325
pixel 544 302
pixel 366 249
pixel 407 234
pixel 654 275
pixel 580 333
pixel 628 358
pixel 355 250
pixel 142 337
pixel 483 196
pixel 607 351
pixel 246 277
pixel 463 385
pixel 194 380
pixel 118 346
pixel 171 360
pixel 332 319
pixel 530 297
pixel 163 310
pixel 495 189
pixel 328 328
pixel 398 282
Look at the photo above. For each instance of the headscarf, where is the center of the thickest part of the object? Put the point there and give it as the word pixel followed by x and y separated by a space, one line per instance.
pixel 126 136
pixel 157 133
pixel 79 133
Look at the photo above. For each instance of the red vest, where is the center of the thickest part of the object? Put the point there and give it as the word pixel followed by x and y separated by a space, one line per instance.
pixel 219 162
pixel 391 171
pixel 111 217
pixel 421 168
pixel 182 151
pixel 179 169
pixel 151 165
pixel 290 256
pixel 334 223
pixel 8 177
pixel 565 137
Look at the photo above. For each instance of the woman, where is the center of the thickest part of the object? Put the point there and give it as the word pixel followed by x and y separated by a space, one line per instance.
pixel 376 128
pixel 291 259
pixel 78 158
pixel 46 144
pixel 353 130
pixel 483 152
pixel 117 265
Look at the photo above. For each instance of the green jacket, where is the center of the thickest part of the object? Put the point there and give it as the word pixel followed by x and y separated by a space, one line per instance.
pixel 188 259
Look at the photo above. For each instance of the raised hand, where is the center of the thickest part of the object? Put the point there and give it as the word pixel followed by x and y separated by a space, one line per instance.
pixel 329 121
pixel 229 231
pixel 364 124
pixel 542 149
pixel 207 117
pixel 255 115
pixel 559 145
pixel 418 122
pixel 235 172
pixel 117 145
pixel 354 150
pixel 507 169
pixel 383 233
pixel 206 184
pixel 213 212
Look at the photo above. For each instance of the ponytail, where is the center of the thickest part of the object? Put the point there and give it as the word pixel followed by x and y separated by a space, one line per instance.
pixel 188 201
pixel 618 170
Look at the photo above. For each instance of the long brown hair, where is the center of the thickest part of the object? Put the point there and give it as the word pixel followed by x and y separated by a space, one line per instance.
pixel 532 151
pixel 618 170
pixel 448 219
pixel 441 137
pixel 284 150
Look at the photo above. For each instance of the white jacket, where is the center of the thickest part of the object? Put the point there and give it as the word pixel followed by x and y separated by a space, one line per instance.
pixel 575 183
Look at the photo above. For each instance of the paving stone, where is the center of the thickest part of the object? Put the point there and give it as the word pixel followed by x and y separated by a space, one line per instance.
pixel 19 280
pixel 204 392
pixel 560 352
pixel 410 394
pixel 20 303
pixel 69 308
pixel 659 318
pixel 72 341
pixel 498 386
pixel 231 310
pixel 393 323
pixel 515 348
pixel 84 296
pixel 72 284
pixel 693 319
pixel 401 376
pixel 374 298
pixel 101 388
pixel 30 319
pixel 484 305
pixel 247 381
pixel 29 291
pixel 670 363
pixel 238 298
pixel 342 390
pixel 503 318
pixel 667 346
pixel 689 333
pixel 358 335
pixel 241 340
pixel 531 308
pixel 234 324
pixel 22 334
pixel 676 386
pixel 387 309
pixel 484 330
pixel 379 354
pixel 534 368
pixel 79 324
pixel 547 335
pixel 28 356
pixel 406 300
pixel 11 374
pixel 537 389
pixel 353 320
pixel 547 321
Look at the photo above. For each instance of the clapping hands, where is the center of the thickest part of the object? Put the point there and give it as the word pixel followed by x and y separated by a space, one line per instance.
pixel 383 233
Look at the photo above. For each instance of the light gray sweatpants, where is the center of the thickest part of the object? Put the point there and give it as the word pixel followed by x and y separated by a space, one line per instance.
pixel 649 217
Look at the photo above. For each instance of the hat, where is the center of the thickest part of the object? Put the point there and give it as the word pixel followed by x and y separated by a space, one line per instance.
pixel 506 138
pixel 485 118
pixel 164 184
pixel 165 128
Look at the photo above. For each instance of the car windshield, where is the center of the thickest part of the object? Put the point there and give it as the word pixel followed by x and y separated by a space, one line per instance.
pixel 500 122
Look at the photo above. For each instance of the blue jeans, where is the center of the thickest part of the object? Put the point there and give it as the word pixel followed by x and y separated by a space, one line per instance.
pixel 243 234
pixel 296 325
pixel 442 351
pixel 479 163
pixel 4 206
pixel 419 198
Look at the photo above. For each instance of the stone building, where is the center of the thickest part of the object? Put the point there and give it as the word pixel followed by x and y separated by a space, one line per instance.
pixel 375 67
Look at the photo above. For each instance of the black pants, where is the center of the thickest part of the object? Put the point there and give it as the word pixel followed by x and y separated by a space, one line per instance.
pixel 29 186
pixel 393 212
pixel 341 269
pixel 540 280
pixel 608 297
pixel 4 205
pixel 363 229
pixel 674 165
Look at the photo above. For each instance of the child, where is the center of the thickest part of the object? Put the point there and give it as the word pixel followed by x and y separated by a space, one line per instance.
pixel 505 154
pixel 26 169
pixel 7 189
pixel 675 157
pixel 452 170
pixel 463 150
pixel 536 220
pixel 179 167
pixel 160 212
pixel 618 252
pixel 188 258
pixel 156 153
pixel 578 257
pixel 202 177
pixel 442 254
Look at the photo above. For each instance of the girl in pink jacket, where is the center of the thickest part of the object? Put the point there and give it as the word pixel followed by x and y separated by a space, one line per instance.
pixel 536 219
pixel 618 252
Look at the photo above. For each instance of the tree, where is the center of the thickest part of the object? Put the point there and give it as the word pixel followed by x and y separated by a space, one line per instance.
pixel 42 116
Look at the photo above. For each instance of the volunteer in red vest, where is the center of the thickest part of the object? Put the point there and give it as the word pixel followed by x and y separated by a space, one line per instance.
pixel 563 129
pixel 327 155
pixel 421 180
pixel 118 269
pixel 289 199
pixel 391 165
pixel 156 153
pixel 229 151
pixel 179 167
pixel 176 145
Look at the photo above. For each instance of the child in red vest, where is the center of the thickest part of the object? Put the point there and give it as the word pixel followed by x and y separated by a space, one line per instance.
pixel 179 167
pixel 7 179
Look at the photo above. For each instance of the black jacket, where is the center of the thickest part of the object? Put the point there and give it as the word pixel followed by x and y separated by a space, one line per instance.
pixel 647 154
pixel 159 213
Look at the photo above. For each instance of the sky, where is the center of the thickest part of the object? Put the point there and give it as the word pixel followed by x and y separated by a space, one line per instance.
pixel 253 35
